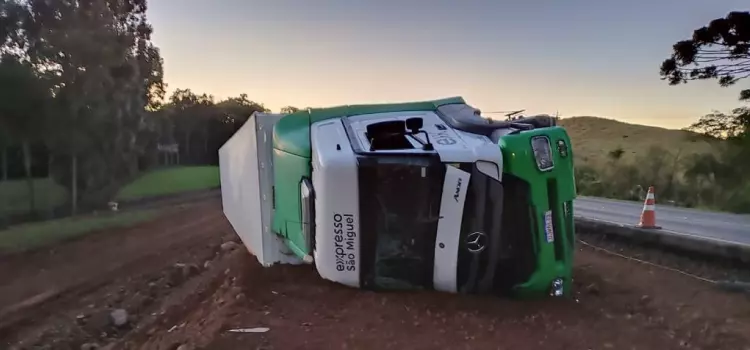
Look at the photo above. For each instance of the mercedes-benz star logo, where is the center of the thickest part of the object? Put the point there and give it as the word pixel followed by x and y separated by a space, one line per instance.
pixel 476 242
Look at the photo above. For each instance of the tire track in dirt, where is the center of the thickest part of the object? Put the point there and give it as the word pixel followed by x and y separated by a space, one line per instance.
pixel 121 258
pixel 213 289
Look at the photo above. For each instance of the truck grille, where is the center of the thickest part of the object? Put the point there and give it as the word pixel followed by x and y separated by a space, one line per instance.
pixel 519 232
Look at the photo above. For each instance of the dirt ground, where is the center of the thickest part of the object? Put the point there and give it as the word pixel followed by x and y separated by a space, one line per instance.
pixel 179 283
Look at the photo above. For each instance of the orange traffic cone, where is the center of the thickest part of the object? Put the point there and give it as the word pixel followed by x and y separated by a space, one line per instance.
pixel 648 216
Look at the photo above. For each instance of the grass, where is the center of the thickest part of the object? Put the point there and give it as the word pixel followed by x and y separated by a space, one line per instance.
pixel 171 181
pixel 14 195
pixel 593 138
pixel 35 235
pixel 14 199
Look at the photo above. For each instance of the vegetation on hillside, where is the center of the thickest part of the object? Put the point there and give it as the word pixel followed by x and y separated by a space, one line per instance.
pixel 595 137
pixel 707 178
pixel 706 165
pixel 720 50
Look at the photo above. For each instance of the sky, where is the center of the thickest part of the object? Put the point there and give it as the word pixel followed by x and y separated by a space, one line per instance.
pixel 575 57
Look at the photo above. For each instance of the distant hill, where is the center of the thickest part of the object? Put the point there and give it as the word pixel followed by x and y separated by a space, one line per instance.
pixel 593 138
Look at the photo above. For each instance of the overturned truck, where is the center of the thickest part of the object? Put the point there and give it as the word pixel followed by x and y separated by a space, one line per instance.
pixel 423 195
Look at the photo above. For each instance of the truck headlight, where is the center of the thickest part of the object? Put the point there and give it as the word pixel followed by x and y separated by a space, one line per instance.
pixel 562 148
pixel 307 199
pixel 557 288
pixel 542 152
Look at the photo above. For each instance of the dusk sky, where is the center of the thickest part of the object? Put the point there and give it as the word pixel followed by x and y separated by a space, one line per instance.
pixel 578 57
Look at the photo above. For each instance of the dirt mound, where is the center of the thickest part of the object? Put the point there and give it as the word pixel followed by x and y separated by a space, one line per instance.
pixel 188 292
pixel 63 297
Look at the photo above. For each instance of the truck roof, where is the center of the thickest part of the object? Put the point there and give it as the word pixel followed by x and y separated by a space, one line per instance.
pixel 291 133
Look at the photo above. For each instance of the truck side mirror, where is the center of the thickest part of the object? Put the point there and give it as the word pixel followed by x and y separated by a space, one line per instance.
pixel 414 124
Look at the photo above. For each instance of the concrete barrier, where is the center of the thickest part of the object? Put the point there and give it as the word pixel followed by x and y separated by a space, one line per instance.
pixel 669 239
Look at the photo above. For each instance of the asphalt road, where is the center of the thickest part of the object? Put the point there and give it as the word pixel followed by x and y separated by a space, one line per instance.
pixel 722 226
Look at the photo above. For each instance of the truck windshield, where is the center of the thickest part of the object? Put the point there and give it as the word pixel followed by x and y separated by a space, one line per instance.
pixel 402 200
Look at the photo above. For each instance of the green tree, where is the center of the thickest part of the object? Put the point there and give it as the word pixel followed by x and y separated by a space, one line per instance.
pixel 201 125
pixel 189 111
pixel 289 110
pixel 12 16
pixel 236 110
pixel 4 144
pixel 720 50
pixel 23 100
pixel 717 125
pixel 106 73
pixel 732 130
